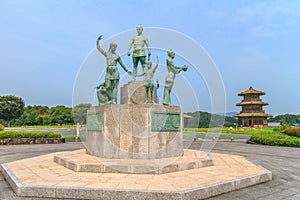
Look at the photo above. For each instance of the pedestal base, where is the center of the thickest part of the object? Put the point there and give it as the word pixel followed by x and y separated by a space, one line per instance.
pixel 130 131
pixel 135 93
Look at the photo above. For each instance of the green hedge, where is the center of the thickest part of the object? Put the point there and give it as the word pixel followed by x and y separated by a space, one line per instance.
pixel 1 127
pixel 292 132
pixel 275 139
pixel 267 136
pixel 47 126
pixel 16 134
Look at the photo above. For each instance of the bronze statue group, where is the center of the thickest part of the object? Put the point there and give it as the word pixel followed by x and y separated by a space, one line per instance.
pixel 107 91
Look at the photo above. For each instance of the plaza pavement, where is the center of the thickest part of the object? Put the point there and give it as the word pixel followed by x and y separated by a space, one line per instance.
pixel 284 163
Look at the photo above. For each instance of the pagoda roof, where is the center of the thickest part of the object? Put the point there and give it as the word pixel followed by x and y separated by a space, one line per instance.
pixel 187 116
pixel 251 91
pixel 252 103
pixel 253 115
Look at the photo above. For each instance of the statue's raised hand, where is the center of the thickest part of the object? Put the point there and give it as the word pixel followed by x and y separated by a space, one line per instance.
pixel 99 38
pixel 185 68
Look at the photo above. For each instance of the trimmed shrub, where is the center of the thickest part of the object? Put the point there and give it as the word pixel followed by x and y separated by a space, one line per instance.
pixel 1 127
pixel 275 139
pixel 292 132
pixel 15 134
pixel 276 129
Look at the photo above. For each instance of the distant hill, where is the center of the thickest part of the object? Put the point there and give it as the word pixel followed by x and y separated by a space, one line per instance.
pixel 204 120
pixel 228 114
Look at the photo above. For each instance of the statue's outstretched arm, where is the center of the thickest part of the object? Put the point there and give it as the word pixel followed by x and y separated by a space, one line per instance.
pixel 147 45
pixel 156 65
pixel 139 75
pixel 172 67
pixel 129 47
pixel 99 47
pixel 122 64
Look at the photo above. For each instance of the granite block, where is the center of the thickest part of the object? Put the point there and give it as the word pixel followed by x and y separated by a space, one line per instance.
pixel 78 193
pixel 93 143
pixel 125 141
pixel 11 179
pixel 251 180
pixel 134 93
pixel 174 144
pixel 91 168
pixel 38 191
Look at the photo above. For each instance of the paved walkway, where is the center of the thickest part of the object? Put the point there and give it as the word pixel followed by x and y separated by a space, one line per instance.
pixel 283 162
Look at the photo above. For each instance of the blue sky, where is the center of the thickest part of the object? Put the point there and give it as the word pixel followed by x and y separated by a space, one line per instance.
pixel 43 44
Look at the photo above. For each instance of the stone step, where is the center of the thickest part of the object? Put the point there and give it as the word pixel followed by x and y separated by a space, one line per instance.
pixel 80 161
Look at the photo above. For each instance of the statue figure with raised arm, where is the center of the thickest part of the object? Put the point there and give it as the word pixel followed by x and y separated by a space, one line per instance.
pixel 139 54
pixel 172 71
pixel 148 80
pixel 112 75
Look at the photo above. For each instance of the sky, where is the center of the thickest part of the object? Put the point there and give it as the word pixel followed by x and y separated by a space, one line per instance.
pixel 46 44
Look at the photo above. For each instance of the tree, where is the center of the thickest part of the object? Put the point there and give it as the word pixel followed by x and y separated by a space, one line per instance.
pixel 79 113
pixel 30 118
pixel 43 120
pixel 11 107
pixel 61 115
pixel 286 118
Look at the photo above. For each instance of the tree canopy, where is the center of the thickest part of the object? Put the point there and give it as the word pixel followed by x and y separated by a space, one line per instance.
pixel 286 118
pixel 43 115
pixel 11 107
pixel 79 113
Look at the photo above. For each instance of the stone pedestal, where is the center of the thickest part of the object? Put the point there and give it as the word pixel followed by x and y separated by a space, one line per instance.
pixel 128 131
pixel 135 93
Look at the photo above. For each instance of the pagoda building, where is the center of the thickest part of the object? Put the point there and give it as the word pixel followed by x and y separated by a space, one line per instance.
pixel 252 114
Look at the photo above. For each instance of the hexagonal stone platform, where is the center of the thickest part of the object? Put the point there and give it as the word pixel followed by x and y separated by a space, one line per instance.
pixel 42 177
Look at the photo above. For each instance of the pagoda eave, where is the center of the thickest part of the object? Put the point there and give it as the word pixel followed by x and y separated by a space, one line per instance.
pixel 252 103
pixel 253 115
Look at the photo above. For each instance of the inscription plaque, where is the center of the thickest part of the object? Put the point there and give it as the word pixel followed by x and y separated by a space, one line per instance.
pixel 94 121
pixel 165 121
